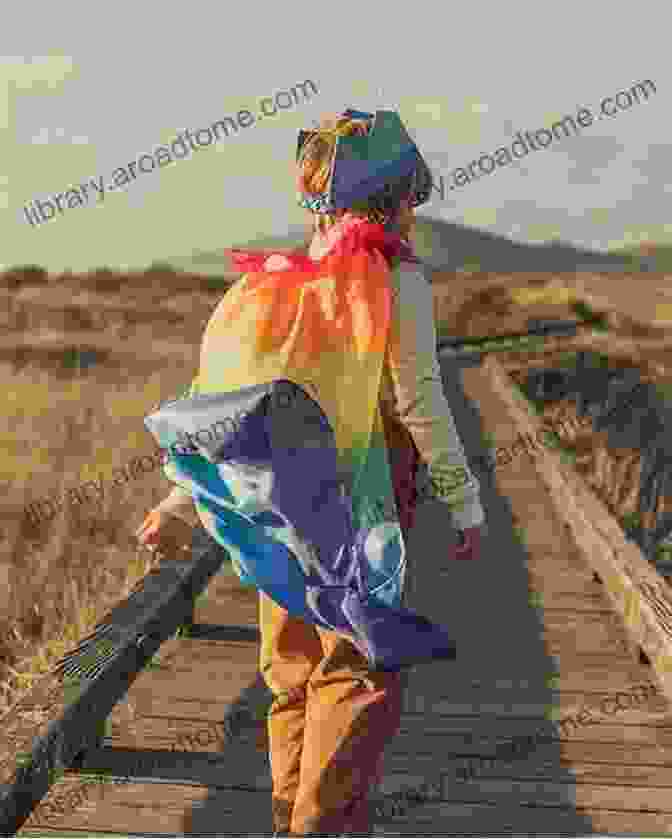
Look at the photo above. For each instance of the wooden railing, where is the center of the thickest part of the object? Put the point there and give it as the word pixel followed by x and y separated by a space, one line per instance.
pixel 100 672
pixel 536 329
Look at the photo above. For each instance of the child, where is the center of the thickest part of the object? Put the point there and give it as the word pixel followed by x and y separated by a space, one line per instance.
pixel 361 294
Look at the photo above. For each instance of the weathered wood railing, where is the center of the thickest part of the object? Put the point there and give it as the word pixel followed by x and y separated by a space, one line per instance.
pixel 124 644
pixel 536 328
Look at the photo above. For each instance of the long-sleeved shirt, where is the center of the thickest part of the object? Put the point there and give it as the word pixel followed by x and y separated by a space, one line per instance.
pixel 412 388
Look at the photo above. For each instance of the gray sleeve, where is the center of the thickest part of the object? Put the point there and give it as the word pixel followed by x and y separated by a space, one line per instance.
pixel 420 401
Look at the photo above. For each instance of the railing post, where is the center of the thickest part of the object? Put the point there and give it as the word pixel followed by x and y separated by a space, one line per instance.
pixel 188 622
pixel 101 739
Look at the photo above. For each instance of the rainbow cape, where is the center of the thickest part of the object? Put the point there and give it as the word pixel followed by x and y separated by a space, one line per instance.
pixel 314 527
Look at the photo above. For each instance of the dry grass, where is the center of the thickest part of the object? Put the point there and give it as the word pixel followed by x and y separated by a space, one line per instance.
pixel 63 575
pixel 65 427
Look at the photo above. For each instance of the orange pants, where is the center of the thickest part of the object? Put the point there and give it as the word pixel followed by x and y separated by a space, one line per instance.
pixel 327 727
pixel 331 717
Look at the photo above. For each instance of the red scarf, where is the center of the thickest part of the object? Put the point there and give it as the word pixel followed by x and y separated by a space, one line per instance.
pixel 361 236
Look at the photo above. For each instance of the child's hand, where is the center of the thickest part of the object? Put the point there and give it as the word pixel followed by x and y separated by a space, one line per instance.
pixel 470 547
pixel 165 532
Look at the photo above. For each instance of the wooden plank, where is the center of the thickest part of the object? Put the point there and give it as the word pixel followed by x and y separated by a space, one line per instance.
pixel 198 677
pixel 590 592
pixel 594 629
pixel 182 733
pixel 228 603
pixel 579 603
pixel 619 759
pixel 235 764
pixel 538 793
pixel 583 681
pixel 172 809
pixel 616 650
pixel 538 565
pixel 489 819
pixel 562 704
pixel 590 676
pixel 74 833
pixel 612 730
pixel 556 616
pixel 567 580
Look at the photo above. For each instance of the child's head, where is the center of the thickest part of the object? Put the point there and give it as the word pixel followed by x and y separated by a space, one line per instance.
pixel 391 205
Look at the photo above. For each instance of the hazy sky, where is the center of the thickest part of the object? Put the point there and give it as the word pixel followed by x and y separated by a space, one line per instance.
pixel 86 88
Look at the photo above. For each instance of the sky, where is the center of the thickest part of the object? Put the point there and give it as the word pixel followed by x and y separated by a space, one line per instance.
pixel 87 88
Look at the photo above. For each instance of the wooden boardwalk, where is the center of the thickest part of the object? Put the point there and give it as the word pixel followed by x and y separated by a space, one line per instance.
pixel 519 666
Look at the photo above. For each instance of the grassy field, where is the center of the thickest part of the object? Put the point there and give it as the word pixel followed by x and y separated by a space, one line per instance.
pixel 64 427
